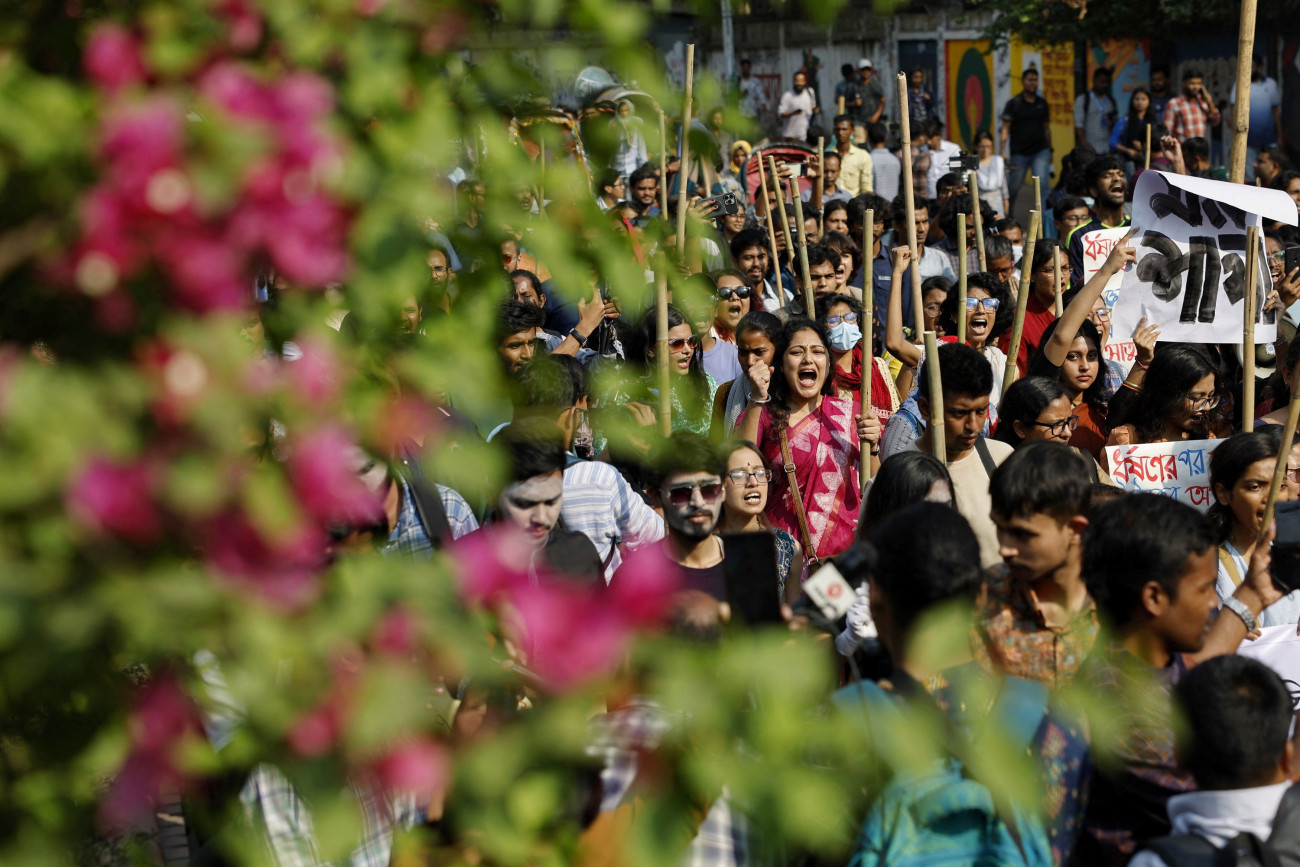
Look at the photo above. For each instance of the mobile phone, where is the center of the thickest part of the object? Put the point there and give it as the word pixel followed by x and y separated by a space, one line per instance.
pixel 726 202
pixel 1292 259
pixel 1285 566
pixel 753 587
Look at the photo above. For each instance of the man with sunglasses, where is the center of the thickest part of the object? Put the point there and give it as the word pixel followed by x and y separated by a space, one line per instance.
pixel 699 302
pixel 690 471
pixel 1038 621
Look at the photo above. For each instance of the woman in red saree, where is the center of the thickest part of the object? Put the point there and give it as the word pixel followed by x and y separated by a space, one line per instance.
pixel 795 401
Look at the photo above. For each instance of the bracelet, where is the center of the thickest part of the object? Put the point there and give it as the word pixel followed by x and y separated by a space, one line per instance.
pixel 1139 363
pixel 1237 607
pixel 582 341
pixel 1137 389
pixel 767 399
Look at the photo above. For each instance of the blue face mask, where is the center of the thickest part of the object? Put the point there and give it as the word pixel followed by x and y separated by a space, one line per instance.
pixel 845 336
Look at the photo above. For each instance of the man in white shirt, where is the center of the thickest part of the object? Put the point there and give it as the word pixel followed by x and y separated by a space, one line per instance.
pixel 1265 116
pixel 753 101
pixel 797 108
pixel 941 151
pixel 1236 744
pixel 886 169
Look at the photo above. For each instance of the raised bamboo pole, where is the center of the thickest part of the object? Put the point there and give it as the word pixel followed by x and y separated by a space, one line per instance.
pixel 1249 313
pixel 937 444
pixel 780 200
pixel 1241 114
pixel 684 162
pixel 1022 302
pixel 821 187
pixel 979 219
pixel 663 166
pixel 905 125
pixel 961 276
pixel 1056 286
pixel 868 329
pixel 803 251
pixel 771 233
pixel 1283 455
pixel 1148 156
pixel 662 369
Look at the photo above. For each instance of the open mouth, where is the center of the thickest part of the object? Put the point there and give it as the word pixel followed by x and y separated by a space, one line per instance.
pixel 808 378
pixel 754 498
pixel 978 326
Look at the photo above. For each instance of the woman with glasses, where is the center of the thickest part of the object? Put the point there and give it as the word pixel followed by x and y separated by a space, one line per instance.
pixel 745 489
pixel 1241 470
pixel 989 313
pixel 1038 408
pixel 1177 401
pixel 734 301
pixel 691 394
pixel 842 316
pixel 792 411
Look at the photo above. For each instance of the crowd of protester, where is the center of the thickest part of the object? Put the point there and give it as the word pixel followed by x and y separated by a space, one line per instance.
pixel 1058 578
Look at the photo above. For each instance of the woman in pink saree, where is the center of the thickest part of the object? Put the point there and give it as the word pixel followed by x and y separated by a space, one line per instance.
pixel 795 398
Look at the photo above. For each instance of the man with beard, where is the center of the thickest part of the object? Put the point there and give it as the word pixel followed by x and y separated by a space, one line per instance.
pixel 1108 183
pixel 1192 112
pixel 797 108
pixel 690 492
pixel 516 335
pixel 1038 621
pixel 643 192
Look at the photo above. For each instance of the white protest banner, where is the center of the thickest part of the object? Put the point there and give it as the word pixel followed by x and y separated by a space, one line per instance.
pixel 1278 647
pixel 1190 277
pixel 1180 470
pixel 1097 245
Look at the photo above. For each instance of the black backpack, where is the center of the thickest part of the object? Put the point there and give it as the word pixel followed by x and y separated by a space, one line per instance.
pixel 1282 849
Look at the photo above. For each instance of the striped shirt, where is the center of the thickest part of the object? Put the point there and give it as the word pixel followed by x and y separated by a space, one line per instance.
pixel 599 503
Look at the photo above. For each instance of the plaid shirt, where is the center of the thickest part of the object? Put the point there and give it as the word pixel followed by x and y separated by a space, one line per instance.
pixel 619 737
pixel 1011 635
pixel 1186 118
pixel 1137 774
pixel 408 537
pixel 272 804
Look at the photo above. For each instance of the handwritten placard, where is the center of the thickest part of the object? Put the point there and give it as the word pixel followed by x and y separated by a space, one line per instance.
pixel 1180 470
pixel 1097 245
pixel 1190 277
pixel 1278 647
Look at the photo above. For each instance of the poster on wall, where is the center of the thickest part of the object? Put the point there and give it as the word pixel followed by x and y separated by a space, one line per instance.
pixel 1130 63
pixel 1055 65
pixel 971 107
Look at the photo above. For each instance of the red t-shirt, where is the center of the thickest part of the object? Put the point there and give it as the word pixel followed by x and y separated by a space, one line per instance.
pixel 1037 317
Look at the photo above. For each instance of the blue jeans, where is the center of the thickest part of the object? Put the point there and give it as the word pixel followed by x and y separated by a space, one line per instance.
pixel 1041 163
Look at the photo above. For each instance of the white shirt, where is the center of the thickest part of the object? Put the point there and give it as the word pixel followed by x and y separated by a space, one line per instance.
pixel 886 171
pixel 1220 816
pixel 796 125
pixel 599 503
pixel 939 166
pixel 752 98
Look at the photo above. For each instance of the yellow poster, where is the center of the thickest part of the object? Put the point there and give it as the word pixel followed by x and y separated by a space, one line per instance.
pixel 970 99
pixel 1055 65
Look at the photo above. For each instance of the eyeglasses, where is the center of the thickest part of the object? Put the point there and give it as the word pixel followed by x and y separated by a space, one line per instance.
pixel 680 495
pixel 740 477
pixel 1074 220
pixel 1202 404
pixel 726 293
pixel 989 304
pixel 850 318
pixel 1280 254
pixel 932 308
pixel 681 343
pixel 1059 428
pixel 1293 474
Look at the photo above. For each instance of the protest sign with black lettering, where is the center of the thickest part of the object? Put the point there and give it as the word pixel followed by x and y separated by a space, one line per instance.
pixel 1278 647
pixel 1190 277
pixel 1097 245
pixel 1180 470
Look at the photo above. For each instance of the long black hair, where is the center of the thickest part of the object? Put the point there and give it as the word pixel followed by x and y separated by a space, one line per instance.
pixel 1024 402
pixel 1134 126
pixel 1174 371
pixel 903 480
pixel 1039 365
pixel 1227 464
pixel 779 390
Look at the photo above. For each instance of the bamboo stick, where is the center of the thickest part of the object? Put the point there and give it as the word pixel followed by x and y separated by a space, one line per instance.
pixel 961 276
pixel 821 187
pixel 1148 156
pixel 1038 195
pixel 840 104
pixel 685 161
pixel 938 446
pixel 979 219
pixel 661 354
pixel 803 251
pixel 1283 455
pixel 1241 113
pixel 1056 286
pixel 868 330
pixel 1249 313
pixel 909 196
pixel 1022 302
pixel 780 200
pixel 663 166
pixel 771 233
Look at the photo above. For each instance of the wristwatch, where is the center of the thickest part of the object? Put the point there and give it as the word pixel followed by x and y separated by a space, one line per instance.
pixel 574 333
pixel 1237 607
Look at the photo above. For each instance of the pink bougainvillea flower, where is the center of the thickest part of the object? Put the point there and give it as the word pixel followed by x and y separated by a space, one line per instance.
pixel 571 635
pixel 143 137
pixel 303 97
pixel 116 497
pixel 163 717
pixel 316 732
pixel 315 377
pixel 490 563
pixel 370 8
pixel 323 468
pixel 112 58
pixel 417 766
pixel 243 24
pixel 283 572
pixel 643 589
pixel 207 273
pixel 232 87
pixel 397 634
